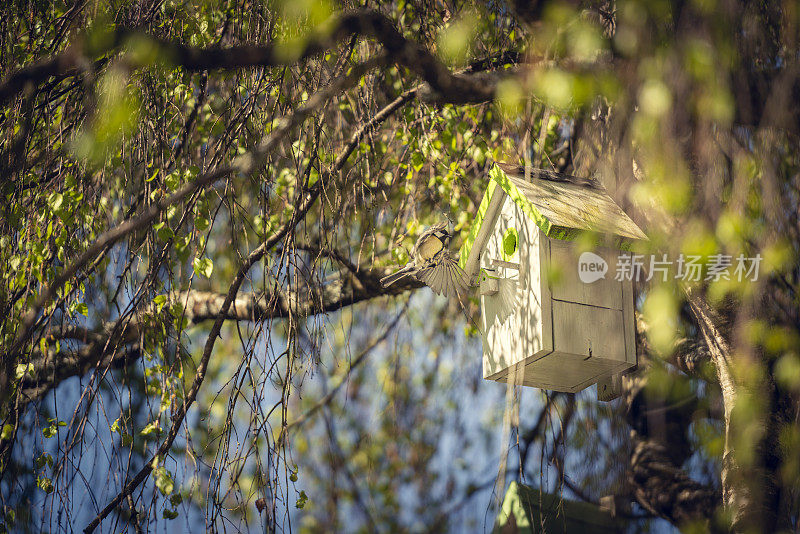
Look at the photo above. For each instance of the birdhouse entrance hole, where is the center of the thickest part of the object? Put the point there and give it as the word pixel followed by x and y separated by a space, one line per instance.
pixel 510 242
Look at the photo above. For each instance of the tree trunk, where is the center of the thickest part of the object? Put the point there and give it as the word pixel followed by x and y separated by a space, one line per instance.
pixel 750 493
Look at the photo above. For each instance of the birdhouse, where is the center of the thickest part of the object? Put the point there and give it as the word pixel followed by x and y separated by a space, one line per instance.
pixel 553 314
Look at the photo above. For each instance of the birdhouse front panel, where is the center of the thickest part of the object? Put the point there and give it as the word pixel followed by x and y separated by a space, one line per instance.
pixel 515 329
pixel 544 324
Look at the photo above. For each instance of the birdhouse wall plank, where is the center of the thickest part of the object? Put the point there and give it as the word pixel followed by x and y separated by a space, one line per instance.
pixel 629 323
pixel 605 292
pixel 588 331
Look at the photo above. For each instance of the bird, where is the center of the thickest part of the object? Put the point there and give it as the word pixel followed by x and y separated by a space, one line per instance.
pixel 432 264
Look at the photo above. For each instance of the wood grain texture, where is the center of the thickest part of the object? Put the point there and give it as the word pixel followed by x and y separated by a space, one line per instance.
pixel 605 292
pixel 482 228
pixel 588 331
pixel 565 209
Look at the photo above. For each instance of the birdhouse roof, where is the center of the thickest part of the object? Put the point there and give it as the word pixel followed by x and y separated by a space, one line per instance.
pixel 562 206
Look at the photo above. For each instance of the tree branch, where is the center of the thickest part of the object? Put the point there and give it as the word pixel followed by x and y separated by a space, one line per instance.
pixel 689 355
pixel 655 477
pixel 456 88
pixel 247 164
pixel 309 198
pixel 664 489
pixel 102 348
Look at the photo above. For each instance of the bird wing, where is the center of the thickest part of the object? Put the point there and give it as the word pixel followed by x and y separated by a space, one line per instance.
pixel 444 276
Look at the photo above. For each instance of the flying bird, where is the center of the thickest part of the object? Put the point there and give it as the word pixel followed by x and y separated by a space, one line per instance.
pixel 432 264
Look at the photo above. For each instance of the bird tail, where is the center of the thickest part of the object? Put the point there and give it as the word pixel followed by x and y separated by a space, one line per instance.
pixel 386 281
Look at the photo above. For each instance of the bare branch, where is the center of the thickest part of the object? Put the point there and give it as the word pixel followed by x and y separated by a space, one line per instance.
pixel 324 401
pixel 103 346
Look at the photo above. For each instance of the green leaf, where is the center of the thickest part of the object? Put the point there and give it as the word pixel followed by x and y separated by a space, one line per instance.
pixel 165 233
pixel 150 428
pixel 14 262
pixel 176 310
pixel 8 431
pixel 44 460
pixel 203 266
pixel 172 180
pixel 169 514
pixel 45 484
pixel 159 301
pixel 55 200
pixel 417 160
pixel 201 223
pixel 164 481
pixel 301 500
pixel 23 369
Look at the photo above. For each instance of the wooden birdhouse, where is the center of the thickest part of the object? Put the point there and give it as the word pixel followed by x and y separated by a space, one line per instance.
pixel 553 316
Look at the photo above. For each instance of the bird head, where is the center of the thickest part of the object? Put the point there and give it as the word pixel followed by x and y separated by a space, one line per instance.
pixel 444 232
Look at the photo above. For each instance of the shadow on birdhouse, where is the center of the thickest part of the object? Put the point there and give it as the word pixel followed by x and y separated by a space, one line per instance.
pixel 553 316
